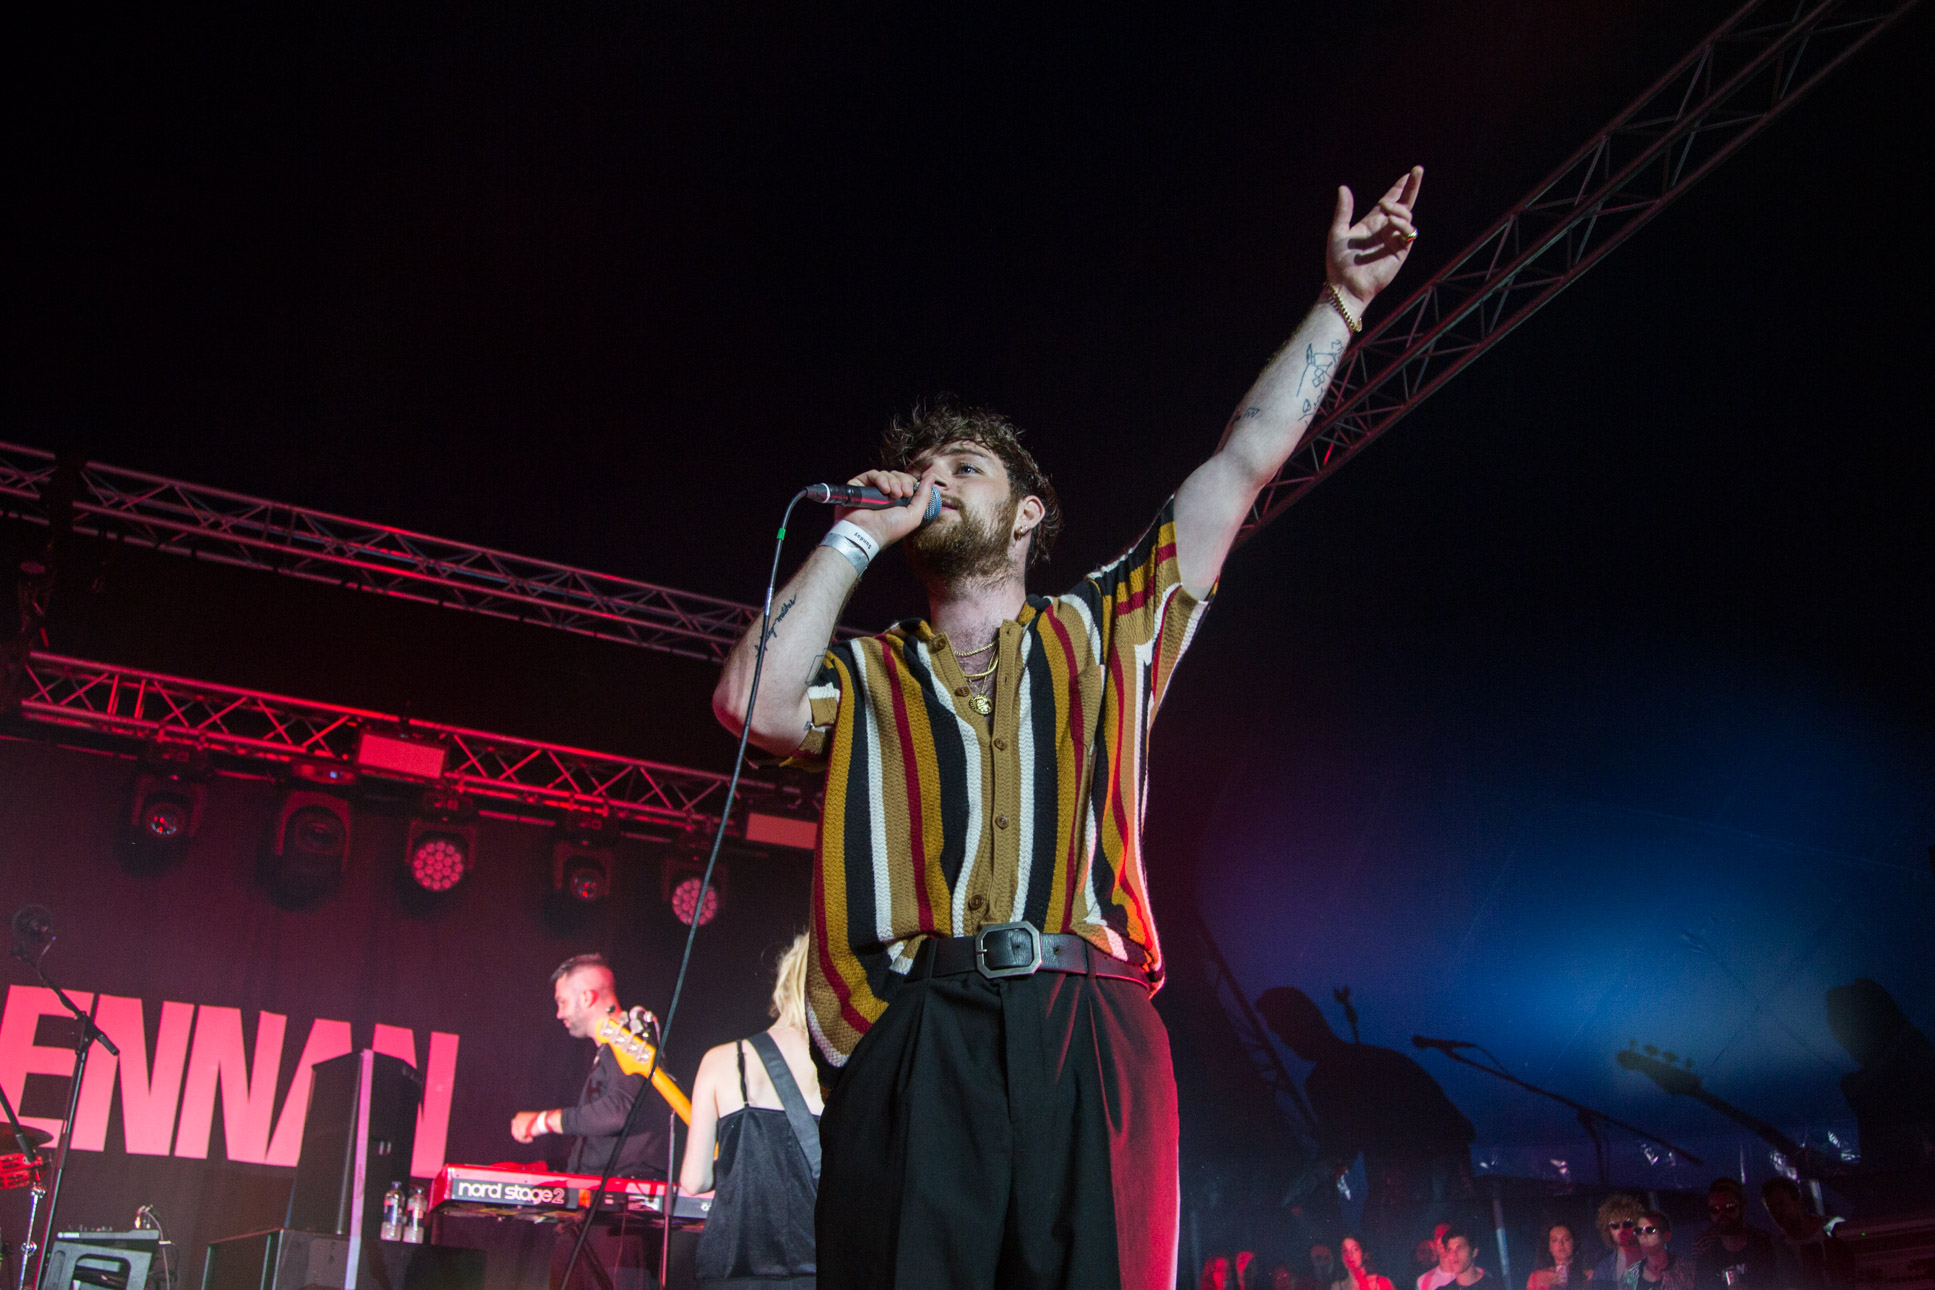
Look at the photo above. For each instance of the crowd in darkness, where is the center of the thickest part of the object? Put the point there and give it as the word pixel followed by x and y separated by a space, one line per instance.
pixel 1636 1251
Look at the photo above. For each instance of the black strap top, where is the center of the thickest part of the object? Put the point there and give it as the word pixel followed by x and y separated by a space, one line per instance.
pixel 761 1224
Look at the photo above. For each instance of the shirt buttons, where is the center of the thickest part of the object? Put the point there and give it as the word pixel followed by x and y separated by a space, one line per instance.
pixel 960 692
pixel 1001 745
pixel 940 642
pixel 1000 821
pixel 975 903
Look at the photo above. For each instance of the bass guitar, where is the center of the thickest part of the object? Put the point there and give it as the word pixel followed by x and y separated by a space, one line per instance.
pixel 636 1056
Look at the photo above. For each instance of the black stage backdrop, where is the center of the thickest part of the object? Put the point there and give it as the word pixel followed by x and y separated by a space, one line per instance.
pixel 216 995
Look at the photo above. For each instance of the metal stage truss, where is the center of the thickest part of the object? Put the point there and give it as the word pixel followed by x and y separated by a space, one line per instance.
pixel 235 529
pixel 270 729
pixel 1724 92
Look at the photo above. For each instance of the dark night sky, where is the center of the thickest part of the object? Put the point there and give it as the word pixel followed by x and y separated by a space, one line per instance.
pixel 605 283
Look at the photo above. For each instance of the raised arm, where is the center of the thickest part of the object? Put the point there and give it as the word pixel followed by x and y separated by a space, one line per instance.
pixel 805 612
pixel 1362 257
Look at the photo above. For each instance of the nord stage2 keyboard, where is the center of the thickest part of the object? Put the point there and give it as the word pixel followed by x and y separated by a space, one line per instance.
pixel 517 1191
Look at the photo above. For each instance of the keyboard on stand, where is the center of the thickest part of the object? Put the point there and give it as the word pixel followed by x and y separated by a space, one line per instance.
pixel 518 1191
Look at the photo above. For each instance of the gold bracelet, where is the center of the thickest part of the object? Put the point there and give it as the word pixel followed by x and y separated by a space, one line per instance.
pixel 1336 299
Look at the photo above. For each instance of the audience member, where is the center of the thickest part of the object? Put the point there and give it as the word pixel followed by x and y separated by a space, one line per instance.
pixel 1810 1257
pixel 1242 1264
pixel 1461 1259
pixel 1560 1263
pixel 1360 1273
pixel 1618 1217
pixel 1657 1269
pixel 1440 1270
pixel 1424 1257
pixel 1216 1273
pixel 1729 1253
pixel 1282 1278
pixel 1323 1266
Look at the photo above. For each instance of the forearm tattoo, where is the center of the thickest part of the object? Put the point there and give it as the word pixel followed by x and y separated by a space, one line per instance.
pixel 1318 368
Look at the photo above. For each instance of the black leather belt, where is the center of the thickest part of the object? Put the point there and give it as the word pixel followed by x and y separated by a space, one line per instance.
pixel 1017 949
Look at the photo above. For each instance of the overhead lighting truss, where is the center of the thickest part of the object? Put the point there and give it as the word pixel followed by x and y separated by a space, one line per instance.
pixel 1720 95
pixel 251 532
pixel 267 728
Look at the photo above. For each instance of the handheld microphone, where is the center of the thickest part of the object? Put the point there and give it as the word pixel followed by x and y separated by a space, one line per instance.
pixel 1442 1045
pixel 860 497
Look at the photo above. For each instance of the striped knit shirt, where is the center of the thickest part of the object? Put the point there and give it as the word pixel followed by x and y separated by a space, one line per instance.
pixel 941 821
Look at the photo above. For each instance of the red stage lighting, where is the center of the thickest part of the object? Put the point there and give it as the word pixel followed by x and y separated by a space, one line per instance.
pixel 686 895
pixel 438 860
pixel 442 846
pixel 683 872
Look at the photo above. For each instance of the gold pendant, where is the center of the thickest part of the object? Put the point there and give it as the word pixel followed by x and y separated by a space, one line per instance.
pixel 982 704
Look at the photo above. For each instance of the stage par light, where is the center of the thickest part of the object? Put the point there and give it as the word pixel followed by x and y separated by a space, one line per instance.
pixel 682 876
pixel 685 902
pixel 442 844
pixel 439 858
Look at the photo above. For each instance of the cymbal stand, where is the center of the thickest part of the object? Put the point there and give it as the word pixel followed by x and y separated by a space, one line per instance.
pixel 28 1151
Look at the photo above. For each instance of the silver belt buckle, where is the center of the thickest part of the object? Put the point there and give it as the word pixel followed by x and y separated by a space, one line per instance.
pixel 1022 969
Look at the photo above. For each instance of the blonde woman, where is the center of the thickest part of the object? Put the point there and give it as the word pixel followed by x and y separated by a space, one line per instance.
pixel 760 1230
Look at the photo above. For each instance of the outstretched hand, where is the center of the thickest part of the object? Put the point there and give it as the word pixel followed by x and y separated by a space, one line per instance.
pixel 1364 256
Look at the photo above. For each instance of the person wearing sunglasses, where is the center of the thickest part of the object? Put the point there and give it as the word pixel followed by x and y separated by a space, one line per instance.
pixel 1729 1254
pixel 1617 1219
pixel 1657 1269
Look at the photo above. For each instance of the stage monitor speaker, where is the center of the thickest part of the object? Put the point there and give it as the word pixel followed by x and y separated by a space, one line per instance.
pixel 276 1260
pixel 357 1140
pixel 101 1260
pixel 285 1260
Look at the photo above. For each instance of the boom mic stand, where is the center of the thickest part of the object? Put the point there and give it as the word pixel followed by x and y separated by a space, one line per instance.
pixel 1590 1117
pixel 90 1034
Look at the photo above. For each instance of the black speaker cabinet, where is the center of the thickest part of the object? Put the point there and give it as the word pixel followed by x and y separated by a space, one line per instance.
pixel 285 1260
pixel 356 1141
pixel 276 1260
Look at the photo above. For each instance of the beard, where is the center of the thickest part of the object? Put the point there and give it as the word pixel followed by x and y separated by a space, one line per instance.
pixel 973 547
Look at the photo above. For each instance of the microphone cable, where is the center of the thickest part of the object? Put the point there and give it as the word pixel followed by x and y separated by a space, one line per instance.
pixel 766 627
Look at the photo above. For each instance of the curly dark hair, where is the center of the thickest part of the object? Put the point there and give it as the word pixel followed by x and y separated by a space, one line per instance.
pixel 934 425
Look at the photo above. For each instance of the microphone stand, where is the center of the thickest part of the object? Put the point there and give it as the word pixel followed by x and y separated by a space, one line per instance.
pixel 90 1034
pixel 1590 1117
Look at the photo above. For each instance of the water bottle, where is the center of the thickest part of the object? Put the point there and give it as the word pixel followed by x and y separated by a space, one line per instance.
pixel 393 1213
pixel 414 1213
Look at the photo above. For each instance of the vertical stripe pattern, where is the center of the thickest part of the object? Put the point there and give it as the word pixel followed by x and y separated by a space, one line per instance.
pixel 941 821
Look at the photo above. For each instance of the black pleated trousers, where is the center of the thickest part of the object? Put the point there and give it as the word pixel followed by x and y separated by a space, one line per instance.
pixel 1015 1134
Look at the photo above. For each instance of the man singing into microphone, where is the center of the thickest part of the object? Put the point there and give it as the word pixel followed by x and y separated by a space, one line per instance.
pixel 1002 1109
